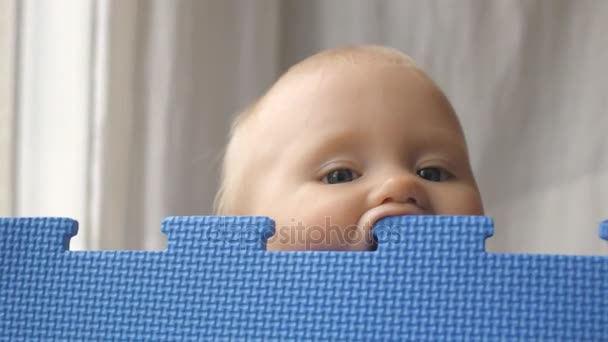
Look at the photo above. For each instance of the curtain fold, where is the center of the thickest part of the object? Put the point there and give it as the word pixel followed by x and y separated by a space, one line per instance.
pixel 7 84
pixel 178 73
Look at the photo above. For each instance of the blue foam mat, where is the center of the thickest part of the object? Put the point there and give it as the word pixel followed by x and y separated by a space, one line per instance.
pixel 430 279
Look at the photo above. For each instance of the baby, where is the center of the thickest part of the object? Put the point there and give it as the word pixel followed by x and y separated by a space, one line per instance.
pixel 341 140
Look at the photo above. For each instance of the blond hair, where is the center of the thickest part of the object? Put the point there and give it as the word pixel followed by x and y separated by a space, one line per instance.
pixel 225 202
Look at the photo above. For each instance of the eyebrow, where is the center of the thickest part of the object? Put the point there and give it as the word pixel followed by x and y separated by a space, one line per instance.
pixel 442 136
pixel 340 142
pixel 331 144
pixel 337 141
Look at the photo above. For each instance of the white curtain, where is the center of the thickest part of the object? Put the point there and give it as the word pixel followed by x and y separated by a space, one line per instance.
pixel 7 28
pixel 528 79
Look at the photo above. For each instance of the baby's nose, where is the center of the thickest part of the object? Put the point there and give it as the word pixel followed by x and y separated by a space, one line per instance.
pixel 411 200
pixel 401 189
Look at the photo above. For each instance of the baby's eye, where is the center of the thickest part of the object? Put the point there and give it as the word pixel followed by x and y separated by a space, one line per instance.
pixel 433 174
pixel 340 176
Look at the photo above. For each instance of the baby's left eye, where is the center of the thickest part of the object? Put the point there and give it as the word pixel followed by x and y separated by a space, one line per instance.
pixel 433 174
pixel 340 176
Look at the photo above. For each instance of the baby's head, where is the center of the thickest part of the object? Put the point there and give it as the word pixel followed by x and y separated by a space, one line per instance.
pixel 342 139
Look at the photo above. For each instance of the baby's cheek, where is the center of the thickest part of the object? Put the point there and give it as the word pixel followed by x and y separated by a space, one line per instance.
pixel 325 228
pixel 461 201
pixel 338 212
pixel 318 224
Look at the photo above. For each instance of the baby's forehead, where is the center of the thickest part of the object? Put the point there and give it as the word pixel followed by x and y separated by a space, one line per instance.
pixel 323 75
pixel 346 58
pixel 361 55
pixel 342 83
pixel 301 106
pixel 334 74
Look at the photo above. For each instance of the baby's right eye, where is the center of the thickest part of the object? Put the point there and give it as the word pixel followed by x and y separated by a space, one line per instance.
pixel 340 176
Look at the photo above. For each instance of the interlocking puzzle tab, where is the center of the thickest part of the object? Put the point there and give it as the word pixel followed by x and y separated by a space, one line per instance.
pixel 430 279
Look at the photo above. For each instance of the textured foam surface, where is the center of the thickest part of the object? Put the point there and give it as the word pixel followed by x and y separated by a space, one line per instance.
pixel 430 279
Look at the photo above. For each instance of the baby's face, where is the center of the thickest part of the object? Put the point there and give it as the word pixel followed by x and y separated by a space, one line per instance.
pixel 344 146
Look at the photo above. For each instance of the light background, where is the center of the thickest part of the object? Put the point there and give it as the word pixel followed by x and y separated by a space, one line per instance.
pixel 115 112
